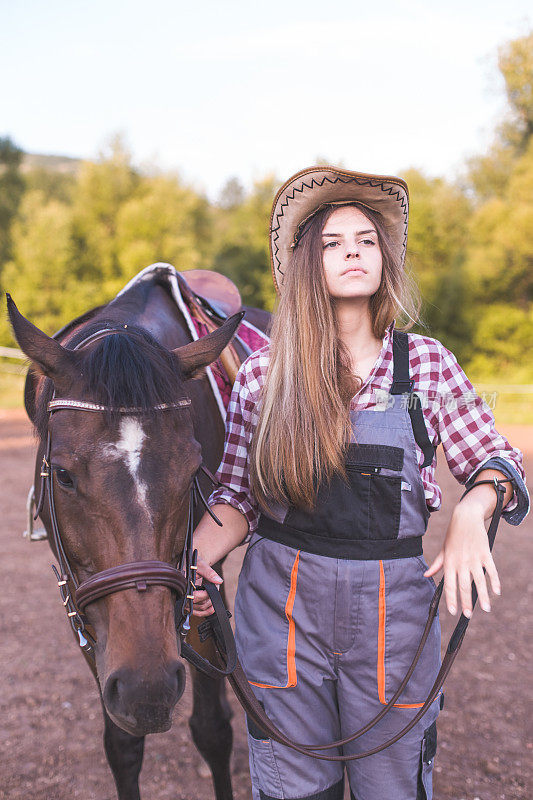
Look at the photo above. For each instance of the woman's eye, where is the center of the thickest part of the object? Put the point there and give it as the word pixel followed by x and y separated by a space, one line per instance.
pixel 64 478
pixel 330 245
pixel 368 241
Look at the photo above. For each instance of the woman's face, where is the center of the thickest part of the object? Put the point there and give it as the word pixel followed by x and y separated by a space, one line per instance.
pixel 351 254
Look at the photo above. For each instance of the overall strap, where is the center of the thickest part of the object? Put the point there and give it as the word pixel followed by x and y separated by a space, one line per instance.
pixel 402 383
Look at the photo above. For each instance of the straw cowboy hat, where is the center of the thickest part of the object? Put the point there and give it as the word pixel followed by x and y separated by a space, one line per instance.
pixel 308 190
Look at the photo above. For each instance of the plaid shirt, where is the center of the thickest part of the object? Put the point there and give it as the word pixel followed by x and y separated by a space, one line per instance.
pixel 455 417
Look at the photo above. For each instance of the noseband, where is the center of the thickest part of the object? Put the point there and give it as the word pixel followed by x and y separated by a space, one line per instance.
pixel 139 575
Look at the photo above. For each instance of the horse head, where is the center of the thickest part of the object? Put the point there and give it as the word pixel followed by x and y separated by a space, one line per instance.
pixel 121 483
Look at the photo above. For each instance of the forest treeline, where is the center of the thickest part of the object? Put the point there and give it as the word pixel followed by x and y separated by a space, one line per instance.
pixel 69 242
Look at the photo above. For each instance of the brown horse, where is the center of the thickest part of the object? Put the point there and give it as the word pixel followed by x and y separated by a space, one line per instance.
pixel 121 487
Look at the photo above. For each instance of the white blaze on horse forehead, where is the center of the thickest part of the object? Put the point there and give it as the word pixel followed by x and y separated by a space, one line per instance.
pixel 128 448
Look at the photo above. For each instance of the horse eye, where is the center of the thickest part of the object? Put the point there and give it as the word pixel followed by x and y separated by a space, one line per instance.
pixel 64 478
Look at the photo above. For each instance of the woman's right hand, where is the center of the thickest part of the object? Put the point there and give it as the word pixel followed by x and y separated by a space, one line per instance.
pixel 215 542
pixel 201 605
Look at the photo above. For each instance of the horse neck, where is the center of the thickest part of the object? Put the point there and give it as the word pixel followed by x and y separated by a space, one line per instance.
pixel 151 306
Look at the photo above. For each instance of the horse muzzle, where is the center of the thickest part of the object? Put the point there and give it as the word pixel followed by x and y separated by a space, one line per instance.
pixel 140 703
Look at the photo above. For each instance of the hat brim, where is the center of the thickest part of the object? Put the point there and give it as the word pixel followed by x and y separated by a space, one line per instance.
pixel 308 190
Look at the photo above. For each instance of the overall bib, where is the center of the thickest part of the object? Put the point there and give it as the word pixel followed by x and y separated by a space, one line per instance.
pixel 330 608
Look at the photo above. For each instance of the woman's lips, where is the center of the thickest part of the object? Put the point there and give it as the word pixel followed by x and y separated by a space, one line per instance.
pixel 355 271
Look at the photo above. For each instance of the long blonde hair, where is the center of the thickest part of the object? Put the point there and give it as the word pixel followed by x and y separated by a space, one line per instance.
pixel 304 424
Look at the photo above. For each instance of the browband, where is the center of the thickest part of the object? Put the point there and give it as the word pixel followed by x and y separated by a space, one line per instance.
pixel 82 405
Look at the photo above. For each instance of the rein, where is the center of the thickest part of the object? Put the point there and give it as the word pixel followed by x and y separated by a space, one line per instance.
pixel 140 575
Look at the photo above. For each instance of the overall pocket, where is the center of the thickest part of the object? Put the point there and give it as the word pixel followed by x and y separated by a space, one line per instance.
pixel 366 506
pixel 264 615
pixel 404 597
pixel 255 540
pixel 423 566
pixel 425 771
pixel 263 767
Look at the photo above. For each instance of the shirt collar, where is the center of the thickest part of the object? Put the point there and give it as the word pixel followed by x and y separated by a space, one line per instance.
pixel 387 338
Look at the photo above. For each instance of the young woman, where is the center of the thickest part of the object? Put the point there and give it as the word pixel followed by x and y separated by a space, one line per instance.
pixel 329 466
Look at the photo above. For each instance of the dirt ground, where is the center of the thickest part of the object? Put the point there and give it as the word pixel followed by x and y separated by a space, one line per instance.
pixel 51 737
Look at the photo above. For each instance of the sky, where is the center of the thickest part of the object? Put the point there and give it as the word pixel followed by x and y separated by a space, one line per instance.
pixel 219 88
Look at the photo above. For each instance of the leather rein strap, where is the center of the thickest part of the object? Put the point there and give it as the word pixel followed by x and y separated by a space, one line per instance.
pixel 255 711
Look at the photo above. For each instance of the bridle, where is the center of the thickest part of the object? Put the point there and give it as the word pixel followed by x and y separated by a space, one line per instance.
pixel 140 575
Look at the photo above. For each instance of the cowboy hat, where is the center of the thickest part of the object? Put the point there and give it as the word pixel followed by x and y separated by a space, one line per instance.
pixel 308 190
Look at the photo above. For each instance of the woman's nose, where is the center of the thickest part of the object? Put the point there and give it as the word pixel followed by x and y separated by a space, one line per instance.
pixel 352 251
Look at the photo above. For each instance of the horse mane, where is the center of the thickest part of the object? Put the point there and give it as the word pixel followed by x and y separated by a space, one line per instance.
pixel 127 368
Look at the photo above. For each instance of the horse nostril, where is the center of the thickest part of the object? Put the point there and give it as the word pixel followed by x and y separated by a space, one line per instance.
pixel 112 691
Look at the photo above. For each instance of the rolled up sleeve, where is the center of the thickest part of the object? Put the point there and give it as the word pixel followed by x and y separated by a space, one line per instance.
pixel 470 440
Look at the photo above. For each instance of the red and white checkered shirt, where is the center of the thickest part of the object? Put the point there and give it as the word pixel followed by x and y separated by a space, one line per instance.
pixel 455 417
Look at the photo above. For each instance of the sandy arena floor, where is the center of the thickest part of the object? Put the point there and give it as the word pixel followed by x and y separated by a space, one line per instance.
pixel 52 727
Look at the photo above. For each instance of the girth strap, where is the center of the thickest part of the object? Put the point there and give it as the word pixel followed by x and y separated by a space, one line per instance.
pixel 402 383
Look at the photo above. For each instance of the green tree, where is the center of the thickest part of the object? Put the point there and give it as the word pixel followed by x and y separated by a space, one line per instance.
pixel 438 228
pixel 39 277
pixel 499 262
pixel 488 174
pixel 11 190
pixel 497 273
pixel 502 344
pixel 242 233
pixel 99 194
pixel 53 184
pixel 162 221
pixel 516 65
pixel 231 195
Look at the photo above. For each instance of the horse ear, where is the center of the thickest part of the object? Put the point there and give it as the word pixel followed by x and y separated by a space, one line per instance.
pixel 195 356
pixel 46 354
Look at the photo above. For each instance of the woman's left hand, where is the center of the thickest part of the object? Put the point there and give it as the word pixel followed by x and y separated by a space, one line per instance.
pixel 464 555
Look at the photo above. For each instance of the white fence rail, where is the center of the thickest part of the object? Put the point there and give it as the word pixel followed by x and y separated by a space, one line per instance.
pixel 12 352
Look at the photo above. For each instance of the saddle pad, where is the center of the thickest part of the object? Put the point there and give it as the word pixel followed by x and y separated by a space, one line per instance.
pixel 250 335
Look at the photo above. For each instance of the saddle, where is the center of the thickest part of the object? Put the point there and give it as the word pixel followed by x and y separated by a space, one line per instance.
pixel 211 298
pixel 217 293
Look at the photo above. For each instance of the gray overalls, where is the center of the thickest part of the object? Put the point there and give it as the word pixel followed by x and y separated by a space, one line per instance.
pixel 330 608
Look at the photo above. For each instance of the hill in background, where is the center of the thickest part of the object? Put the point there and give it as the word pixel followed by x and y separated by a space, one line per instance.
pixel 62 164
